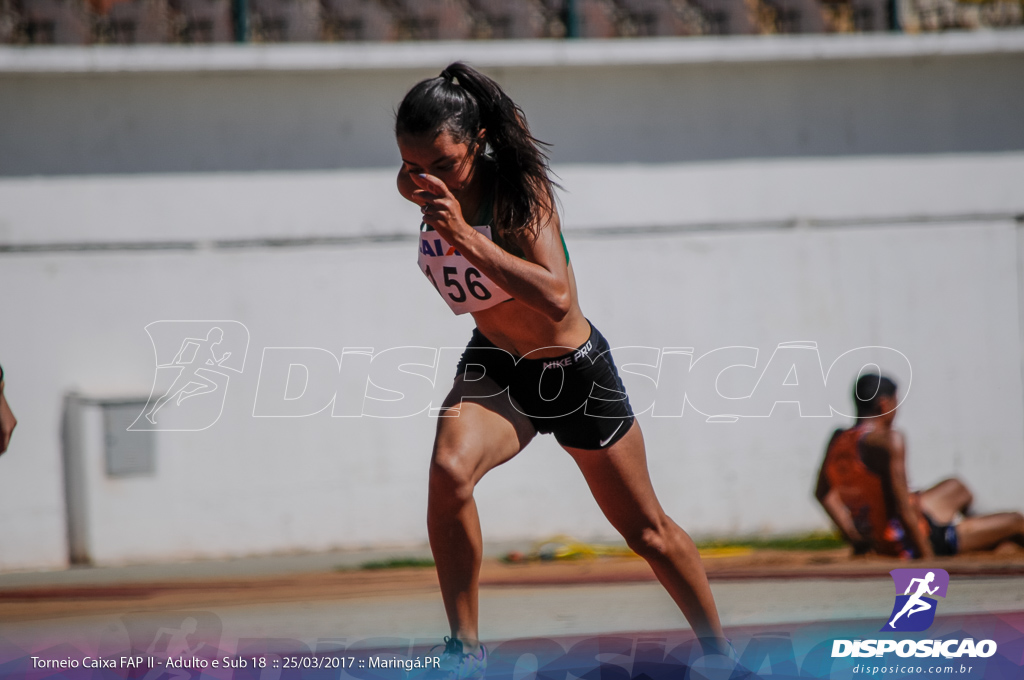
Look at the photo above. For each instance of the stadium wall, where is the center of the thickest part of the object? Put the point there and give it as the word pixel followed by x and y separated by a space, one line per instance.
pixel 323 107
pixel 846 192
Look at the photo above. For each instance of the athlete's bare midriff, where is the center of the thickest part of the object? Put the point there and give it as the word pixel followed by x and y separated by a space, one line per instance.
pixel 521 330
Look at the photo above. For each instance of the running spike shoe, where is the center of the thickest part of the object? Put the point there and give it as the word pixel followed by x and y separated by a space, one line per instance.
pixel 456 664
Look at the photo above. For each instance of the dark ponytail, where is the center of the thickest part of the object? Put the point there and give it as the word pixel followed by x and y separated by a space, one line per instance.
pixel 462 101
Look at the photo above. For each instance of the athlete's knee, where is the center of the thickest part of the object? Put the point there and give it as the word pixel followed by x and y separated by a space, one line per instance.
pixel 650 540
pixel 451 472
pixel 968 498
pixel 964 496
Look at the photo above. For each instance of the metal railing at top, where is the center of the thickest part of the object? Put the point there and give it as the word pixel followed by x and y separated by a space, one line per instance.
pixel 82 22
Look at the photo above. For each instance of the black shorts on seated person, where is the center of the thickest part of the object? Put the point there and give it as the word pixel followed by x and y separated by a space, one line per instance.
pixel 942 537
pixel 577 396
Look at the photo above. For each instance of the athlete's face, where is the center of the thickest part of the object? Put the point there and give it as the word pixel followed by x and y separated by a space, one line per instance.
pixel 887 408
pixel 451 161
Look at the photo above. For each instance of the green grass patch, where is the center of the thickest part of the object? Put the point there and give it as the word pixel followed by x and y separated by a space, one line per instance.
pixel 398 563
pixel 818 540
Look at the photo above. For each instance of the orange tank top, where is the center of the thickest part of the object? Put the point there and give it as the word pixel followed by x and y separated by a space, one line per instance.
pixel 861 491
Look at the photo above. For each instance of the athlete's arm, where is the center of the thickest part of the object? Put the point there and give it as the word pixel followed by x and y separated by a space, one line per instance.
pixel 541 281
pixel 823 487
pixel 842 518
pixel 836 509
pixel 894 484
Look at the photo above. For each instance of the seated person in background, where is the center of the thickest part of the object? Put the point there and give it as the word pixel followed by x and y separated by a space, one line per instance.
pixel 863 487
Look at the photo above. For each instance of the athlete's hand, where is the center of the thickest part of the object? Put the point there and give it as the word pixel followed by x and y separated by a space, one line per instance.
pixel 861 547
pixel 441 210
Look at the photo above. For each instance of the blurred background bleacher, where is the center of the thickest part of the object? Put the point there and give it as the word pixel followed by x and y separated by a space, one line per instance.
pixel 78 22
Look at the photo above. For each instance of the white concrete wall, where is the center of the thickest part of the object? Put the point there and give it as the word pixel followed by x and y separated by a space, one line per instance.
pixel 920 252
pixel 187 209
pixel 321 107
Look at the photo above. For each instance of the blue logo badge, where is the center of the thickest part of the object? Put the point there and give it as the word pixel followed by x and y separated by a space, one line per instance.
pixel 914 610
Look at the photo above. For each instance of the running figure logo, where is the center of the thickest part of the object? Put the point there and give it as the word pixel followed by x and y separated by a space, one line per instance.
pixel 194 361
pixel 172 641
pixel 913 611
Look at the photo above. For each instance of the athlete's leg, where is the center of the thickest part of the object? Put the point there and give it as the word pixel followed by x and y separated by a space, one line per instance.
pixel 621 484
pixel 945 499
pixel 487 433
pixel 985 533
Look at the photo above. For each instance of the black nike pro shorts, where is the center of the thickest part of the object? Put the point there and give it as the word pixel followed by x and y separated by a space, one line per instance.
pixel 577 396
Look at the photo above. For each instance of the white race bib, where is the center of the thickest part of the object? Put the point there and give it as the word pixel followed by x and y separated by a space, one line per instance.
pixel 464 287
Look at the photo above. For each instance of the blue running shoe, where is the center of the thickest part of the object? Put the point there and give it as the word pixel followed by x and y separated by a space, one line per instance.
pixel 456 664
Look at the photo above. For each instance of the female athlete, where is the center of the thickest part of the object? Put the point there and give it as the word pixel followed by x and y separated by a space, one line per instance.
pixel 491 244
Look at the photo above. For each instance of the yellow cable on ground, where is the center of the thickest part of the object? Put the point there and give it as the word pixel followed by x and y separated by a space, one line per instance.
pixel 731 551
pixel 563 547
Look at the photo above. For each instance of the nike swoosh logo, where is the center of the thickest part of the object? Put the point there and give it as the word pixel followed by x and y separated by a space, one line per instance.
pixel 611 436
